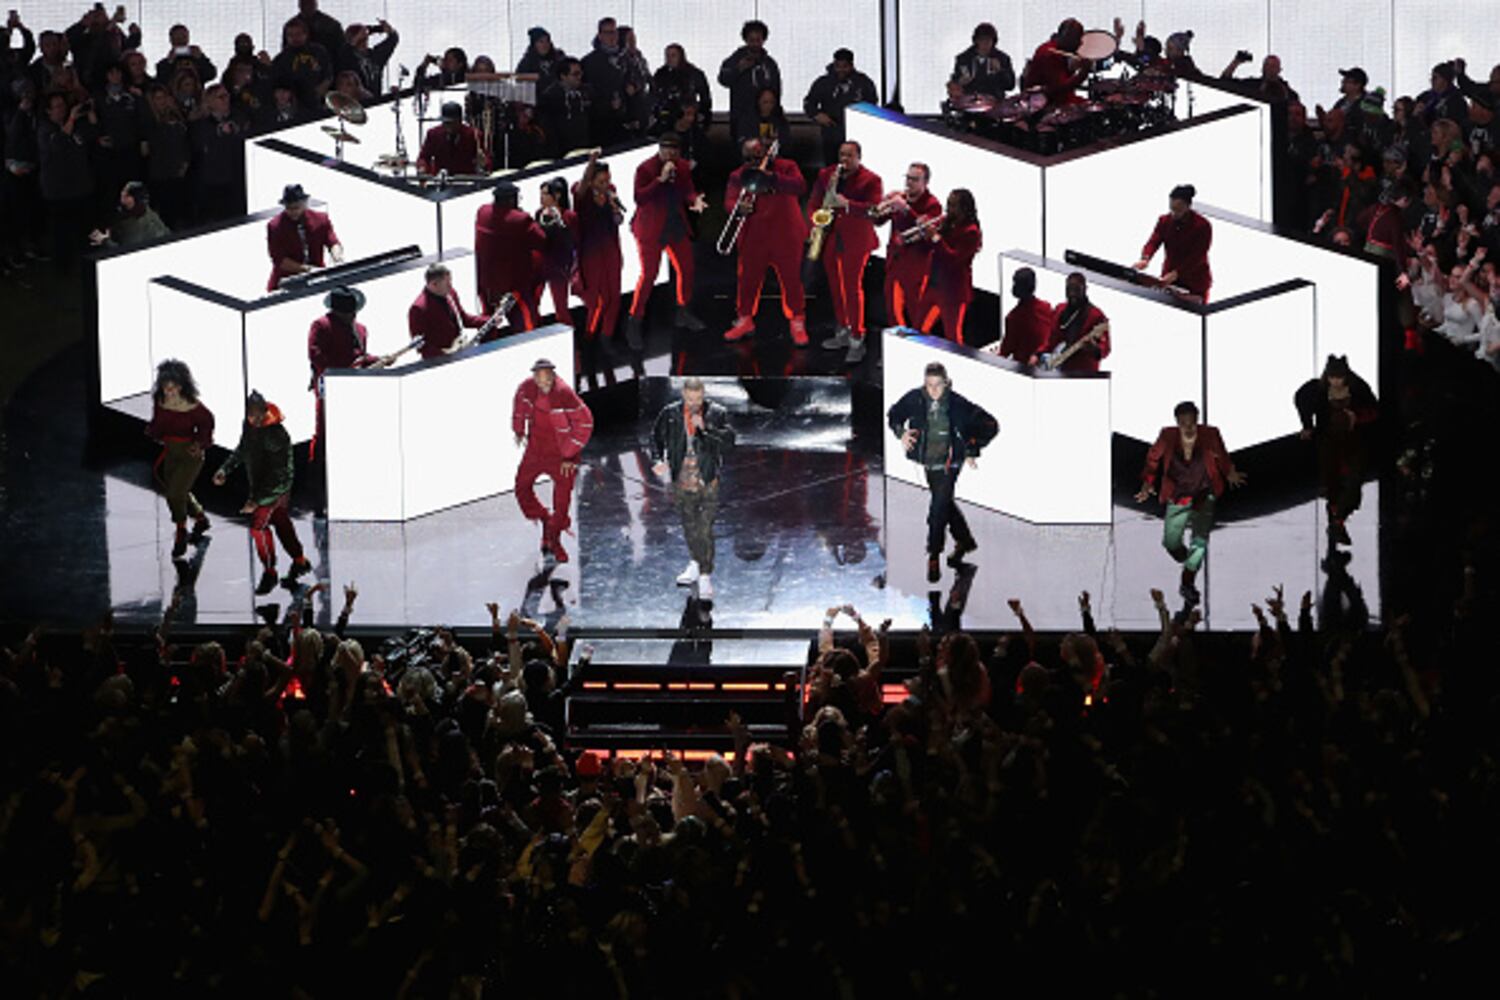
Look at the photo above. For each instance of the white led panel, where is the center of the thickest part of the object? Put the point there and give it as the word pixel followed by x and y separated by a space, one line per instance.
pixel 1007 192
pixel 1055 428
pixel 451 440
pixel 204 334
pixel 1259 353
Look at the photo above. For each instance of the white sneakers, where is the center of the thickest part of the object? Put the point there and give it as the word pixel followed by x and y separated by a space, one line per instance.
pixel 690 575
pixel 705 587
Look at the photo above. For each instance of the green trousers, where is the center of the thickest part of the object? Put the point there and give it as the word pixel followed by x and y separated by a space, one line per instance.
pixel 1181 517
pixel 698 508
pixel 179 471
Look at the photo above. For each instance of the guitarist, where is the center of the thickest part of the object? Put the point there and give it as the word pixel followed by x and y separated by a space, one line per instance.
pixel 1078 319
pixel 437 316
pixel 850 241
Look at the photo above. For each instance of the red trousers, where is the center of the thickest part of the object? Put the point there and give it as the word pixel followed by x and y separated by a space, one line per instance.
pixel 846 273
pixel 782 255
pixel 599 273
pixel 680 252
pixel 557 284
pixel 534 464
pixel 949 308
pixel 905 283
pixel 274 517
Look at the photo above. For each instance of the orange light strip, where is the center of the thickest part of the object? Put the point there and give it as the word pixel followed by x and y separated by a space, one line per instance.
pixel 636 686
pixel 892 694
pixel 744 686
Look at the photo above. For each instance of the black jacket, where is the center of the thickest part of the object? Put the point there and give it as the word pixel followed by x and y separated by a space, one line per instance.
pixel 830 96
pixel 673 86
pixel 266 453
pixel 745 84
pixel 972 427
pixel 992 75
pixel 669 439
pixel 1311 401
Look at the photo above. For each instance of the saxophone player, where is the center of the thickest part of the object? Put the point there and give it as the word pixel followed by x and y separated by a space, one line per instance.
pixel 452 146
pixel 848 242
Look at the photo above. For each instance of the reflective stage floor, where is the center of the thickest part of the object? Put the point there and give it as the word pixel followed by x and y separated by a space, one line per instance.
pixel 807 520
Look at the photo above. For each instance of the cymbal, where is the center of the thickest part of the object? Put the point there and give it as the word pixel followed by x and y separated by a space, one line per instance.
pixel 346 108
pixel 341 134
pixel 391 161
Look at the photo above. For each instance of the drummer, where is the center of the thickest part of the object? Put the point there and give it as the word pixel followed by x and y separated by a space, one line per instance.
pixel 452 146
pixel 1056 68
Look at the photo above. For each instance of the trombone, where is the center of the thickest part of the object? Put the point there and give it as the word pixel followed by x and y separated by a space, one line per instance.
pixel 746 204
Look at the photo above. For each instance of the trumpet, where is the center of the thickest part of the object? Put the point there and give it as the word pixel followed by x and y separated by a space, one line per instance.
pixel 923 229
pixel 886 208
pixel 549 216
pixel 744 206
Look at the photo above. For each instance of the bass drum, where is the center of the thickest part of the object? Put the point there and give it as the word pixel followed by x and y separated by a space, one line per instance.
pixel 1100 47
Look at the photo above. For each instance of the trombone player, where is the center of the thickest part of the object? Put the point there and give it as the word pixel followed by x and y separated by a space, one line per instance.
pixel 839 207
pixel 764 202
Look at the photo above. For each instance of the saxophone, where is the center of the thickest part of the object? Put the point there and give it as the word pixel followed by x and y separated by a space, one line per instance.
pixel 823 217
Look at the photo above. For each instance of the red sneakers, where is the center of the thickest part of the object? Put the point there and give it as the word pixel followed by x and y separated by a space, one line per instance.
pixel 799 331
pixel 743 327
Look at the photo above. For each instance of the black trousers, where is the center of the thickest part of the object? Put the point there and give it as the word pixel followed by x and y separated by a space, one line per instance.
pixel 943 515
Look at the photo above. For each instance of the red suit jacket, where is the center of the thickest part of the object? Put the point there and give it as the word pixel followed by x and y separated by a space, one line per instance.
pixel 902 219
pixel 852 229
pixel 1049 70
pixel 953 261
pixel 657 205
pixel 598 231
pixel 457 153
pixel 555 423
pixel 332 344
pixel 439 321
pixel 1187 244
pixel 1028 326
pixel 282 241
pixel 778 211
pixel 559 255
pixel 508 252
pixel 1158 460
pixel 1088 358
pixel 1385 232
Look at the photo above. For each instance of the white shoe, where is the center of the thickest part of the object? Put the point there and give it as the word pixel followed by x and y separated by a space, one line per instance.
pixel 690 575
pixel 705 587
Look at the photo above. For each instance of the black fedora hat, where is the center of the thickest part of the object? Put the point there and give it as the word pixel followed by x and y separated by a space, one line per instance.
pixel 292 193
pixel 344 299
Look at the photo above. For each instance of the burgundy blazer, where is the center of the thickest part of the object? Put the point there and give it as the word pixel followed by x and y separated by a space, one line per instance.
pixel 1215 455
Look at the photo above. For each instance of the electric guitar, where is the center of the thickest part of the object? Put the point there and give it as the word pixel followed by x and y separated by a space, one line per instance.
pixel 1052 362
pixel 501 311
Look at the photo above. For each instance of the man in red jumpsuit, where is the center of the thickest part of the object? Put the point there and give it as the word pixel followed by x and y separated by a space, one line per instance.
pixel 1056 68
pixel 508 246
pixel 451 146
pixel 555 425
pixel 773 236
pixel 907 265
pixel 1078 319
pixel 437 316
pixel 1186 235
pixel 599 259
pixel 337 340
pixel 951 286
pixel 1028 325
pixel 664 194
pixel 848 244
pixel 298 238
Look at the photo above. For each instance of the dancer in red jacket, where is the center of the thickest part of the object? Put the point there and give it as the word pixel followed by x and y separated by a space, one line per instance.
pixel 599 258
pixel 848 244
pixel 664 195
pixel 951 287
pixel 508 247
pixel 1193 468
pixel 1186 235
pixel 772 235
pixel 555 425
pixel 907 265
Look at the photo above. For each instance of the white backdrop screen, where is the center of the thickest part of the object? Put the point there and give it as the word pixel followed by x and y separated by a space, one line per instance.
pixel 1259 353
pixel 204 334
pixel 1007 192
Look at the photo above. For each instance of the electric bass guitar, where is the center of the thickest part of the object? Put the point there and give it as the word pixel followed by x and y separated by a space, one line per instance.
pixel 1052 362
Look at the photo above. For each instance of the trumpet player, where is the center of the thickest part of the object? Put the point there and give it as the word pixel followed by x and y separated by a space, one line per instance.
pixel 599 259
pixel 848 243
pixel 955 239
pixel 559 257
pixel 452 146
pixel 906 265
pixel 664 195
pixel 772 233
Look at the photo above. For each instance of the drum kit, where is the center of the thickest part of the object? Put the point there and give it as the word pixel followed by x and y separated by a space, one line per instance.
pixel 1115 106
pixel 349 112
